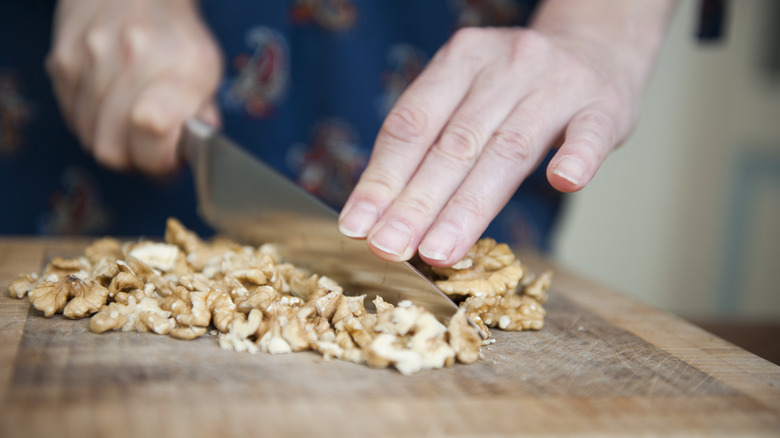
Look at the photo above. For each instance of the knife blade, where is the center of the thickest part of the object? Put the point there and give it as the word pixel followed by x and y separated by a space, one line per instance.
pixel 246 199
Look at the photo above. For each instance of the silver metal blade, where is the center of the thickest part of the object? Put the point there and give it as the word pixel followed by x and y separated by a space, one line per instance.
pixel 246 199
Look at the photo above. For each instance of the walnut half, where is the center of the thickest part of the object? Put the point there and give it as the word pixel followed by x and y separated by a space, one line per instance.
pixel 52 297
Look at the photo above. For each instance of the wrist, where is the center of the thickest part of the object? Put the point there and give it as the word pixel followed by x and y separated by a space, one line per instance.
pixel 622 39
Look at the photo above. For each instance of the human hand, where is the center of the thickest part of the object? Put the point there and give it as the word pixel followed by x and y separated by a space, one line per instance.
pixel 128 73
pixel 477 121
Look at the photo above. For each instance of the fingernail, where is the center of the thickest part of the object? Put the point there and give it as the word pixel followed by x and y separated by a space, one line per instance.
pixel 358 220
pixel 439 243
pixel 392 238
pixel 570 169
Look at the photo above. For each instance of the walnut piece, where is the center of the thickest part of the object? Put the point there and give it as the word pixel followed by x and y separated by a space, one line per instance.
pixel 254 302
pixel 51 297
pixel 160 256
pixel 465 342
pixel 60 267
pixel 488 269
pixel 106 248
pixel 142 316
pixel 23 284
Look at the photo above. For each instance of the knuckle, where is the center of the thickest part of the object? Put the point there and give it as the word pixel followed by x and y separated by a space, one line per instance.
pixel 418 206
pixel 96 43
pixel 526 44
pixel 513 145
pixel 459 142
pixel 381 181
pixel 469 205
pixel 462 40
pixel 145 119
pixel 598 127
pixel 134 39
pixel 406 124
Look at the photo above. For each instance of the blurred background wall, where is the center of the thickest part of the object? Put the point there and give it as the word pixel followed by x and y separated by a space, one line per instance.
pixel 686 215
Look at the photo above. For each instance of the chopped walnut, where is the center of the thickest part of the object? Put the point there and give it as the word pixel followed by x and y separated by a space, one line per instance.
pixel 385 350
pixel 465 341
pixel 160 256
pixel 188 333
pixel 272 341
pixel 139 269
pixel 255 302
pixel 536 287
pixel 104 249
pixel 348 308
pixel 222 309
pixel 409 338
pixel 104 271
pixel 111 317
pixel 86 299
pixel 52 297
pixel 326 306
pixel 23 284
pixel 498 291
pixel 124 281
pixel 349 349
pixel 240 330
pixel 429 341
pixel 177 234
pixel 142 316
pixel 297 336
pixel 508 312
pixel 260 298
pixel 60 267
pixel 196 313
pixel 488 269
pixel 199 253
pixel 358 331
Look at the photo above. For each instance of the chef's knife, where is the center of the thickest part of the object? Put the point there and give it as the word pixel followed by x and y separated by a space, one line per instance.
pixel 246 199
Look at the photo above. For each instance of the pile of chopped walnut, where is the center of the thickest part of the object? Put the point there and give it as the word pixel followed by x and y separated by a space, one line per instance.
pixel 187 287
pixel 495 289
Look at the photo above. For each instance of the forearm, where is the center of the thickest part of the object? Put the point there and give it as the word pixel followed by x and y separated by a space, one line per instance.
pixel 631 31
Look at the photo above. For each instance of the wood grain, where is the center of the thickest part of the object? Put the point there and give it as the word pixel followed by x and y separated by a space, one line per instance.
pixel 603 364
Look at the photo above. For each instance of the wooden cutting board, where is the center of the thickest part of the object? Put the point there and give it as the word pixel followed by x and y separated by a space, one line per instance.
pixel 603 365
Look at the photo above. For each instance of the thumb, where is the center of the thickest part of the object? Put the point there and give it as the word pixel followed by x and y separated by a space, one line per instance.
pixel 590 137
